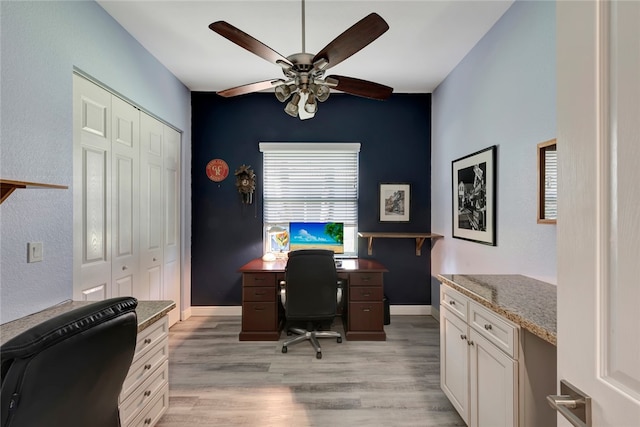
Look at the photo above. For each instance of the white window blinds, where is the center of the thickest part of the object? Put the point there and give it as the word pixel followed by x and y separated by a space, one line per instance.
pixel 310 182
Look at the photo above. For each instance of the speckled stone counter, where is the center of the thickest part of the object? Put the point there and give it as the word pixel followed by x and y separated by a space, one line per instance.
pixel 527 302
pixel 147 311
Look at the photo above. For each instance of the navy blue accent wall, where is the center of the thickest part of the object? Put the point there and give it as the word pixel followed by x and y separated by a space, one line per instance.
pixel 396 147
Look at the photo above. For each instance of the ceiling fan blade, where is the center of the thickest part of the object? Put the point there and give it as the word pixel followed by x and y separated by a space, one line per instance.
pixel 352 40
pixel 359 87
pixel 251 87
pixel 251 44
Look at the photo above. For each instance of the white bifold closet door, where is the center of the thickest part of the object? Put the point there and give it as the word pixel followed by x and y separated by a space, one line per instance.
pixel 126 200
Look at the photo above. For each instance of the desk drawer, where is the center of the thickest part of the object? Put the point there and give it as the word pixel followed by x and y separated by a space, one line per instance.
pixel 365 279
pixel 258 294
pixel 365 316
pixel 259 279
pixel 259 316
pixel 151 336
pixel 495 328
pixel 454 301
pixel 144 394
pixel 365 293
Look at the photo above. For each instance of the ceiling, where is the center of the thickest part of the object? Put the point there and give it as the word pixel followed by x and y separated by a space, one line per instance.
pixel 425 41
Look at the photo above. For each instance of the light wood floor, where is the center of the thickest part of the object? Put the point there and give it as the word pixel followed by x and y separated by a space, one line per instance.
pixel 216 380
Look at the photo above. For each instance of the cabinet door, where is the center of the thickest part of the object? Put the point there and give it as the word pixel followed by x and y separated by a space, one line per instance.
pixel 493 385
pixel 454 361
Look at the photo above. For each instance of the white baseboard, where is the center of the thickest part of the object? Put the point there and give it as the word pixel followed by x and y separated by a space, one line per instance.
pixel 236 310
pixel 410 310
pixel 220 310
pixel 435 313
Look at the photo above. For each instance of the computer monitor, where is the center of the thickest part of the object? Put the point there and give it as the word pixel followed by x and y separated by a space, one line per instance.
pixel 317 235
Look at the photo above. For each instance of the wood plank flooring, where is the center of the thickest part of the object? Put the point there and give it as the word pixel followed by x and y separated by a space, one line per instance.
pixel 216 380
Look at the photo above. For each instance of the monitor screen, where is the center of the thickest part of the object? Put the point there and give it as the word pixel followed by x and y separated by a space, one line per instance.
pixel 317 235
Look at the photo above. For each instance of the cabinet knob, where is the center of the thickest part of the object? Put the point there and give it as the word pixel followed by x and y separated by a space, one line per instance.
pixel 487 327
pixel 469 342
pixel 147 393
pixel 452 302
pixel 147 366
pixel 147 421
pixel 463 337
pixel 124 267
pixel 155 259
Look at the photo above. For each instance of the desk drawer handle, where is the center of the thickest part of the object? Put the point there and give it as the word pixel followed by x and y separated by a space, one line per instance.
pixel 147 393
pixel 147 421
pixel 366 294
pixel 365 279
pixel 463 337
pixel 147 366
pixel 488 327
pixel 258 279
pixel 452 302
pixel 147 340
pixel 259 308
pixel 260 293
pixel 366 310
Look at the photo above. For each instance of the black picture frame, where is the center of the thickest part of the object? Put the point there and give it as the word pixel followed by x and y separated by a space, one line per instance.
pixel 474 196
pixel 394 201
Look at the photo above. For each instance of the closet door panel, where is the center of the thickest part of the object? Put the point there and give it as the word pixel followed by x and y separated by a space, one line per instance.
pixel 172 271
pixel 91 190
pixel 125 200
pixel 151 206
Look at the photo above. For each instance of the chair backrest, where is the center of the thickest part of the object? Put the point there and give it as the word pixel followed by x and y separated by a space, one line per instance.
pixel 68 371
pixel 311 285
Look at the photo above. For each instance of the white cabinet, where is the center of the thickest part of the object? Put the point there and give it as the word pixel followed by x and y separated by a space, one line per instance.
pixel 478 356
pixel 145 392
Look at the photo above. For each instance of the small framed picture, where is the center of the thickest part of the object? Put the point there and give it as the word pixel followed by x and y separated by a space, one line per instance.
pixel 474 197
pixel 395 202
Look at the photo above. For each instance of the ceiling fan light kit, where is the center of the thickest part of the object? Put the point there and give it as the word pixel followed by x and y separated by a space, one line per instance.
pixel 304 73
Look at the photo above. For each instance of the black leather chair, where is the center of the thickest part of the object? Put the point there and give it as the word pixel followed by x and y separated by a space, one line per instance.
pixel 310 297
pixel 68 371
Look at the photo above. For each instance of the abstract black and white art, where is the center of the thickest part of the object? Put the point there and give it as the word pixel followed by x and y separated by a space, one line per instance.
pixel 474 196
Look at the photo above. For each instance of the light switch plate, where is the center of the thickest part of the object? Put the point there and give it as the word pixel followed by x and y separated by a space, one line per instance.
pixel 34 251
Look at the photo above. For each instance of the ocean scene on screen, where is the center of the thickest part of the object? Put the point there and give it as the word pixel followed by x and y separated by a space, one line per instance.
pixel 317 235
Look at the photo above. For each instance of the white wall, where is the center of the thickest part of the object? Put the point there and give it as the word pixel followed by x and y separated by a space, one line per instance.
pixel 503 93
pixel 41 44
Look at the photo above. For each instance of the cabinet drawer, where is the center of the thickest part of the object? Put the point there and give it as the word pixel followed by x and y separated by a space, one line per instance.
pixel 151 336
pixel 365 279
pixel 455 301
pixel 259 279
pixel 154 410
pixel 142 368
pixel 365 316
pixel 365 293
pixel 144 394
pixel 258 294
pixel 259 316
pixel 494 328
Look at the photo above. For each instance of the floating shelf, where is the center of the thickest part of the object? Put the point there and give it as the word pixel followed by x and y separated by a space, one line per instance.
pixel 8 186
pixel 420 238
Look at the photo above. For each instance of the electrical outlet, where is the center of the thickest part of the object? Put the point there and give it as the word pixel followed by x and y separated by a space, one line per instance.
pixel 34 251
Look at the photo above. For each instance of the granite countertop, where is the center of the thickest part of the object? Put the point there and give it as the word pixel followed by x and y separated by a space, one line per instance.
pixel 147 311
pixel 527 302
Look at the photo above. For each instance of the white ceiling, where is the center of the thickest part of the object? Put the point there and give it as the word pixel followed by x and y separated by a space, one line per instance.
pixel 425 41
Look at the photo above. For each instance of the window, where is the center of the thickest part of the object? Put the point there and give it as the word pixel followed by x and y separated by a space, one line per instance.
pixel 547 182
pixel 310 182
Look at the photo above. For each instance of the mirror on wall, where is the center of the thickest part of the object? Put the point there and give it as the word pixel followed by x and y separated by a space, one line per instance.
pixel 547 182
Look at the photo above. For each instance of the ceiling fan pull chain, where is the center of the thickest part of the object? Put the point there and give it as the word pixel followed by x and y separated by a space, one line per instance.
pixel 303 27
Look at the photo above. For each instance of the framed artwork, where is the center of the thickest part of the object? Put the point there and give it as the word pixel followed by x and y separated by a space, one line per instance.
pixel 395 202
pixel 474 196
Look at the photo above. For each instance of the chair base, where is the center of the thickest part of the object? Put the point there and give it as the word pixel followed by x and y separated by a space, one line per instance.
pixel 312 336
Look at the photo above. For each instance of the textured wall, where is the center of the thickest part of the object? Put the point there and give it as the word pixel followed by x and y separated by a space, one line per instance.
pixel 42 42
pixel 502 93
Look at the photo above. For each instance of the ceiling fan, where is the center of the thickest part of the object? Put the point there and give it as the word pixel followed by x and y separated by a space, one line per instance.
pixel 304 73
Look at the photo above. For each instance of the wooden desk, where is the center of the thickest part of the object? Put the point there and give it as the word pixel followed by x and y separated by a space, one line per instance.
pixel 263 315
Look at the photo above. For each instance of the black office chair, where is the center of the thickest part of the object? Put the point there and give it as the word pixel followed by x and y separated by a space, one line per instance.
pixel 310 297
pixel 68 371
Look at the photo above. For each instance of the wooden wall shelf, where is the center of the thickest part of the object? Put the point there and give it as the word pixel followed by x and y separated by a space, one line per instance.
pixel 420 238
pixel 8 186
